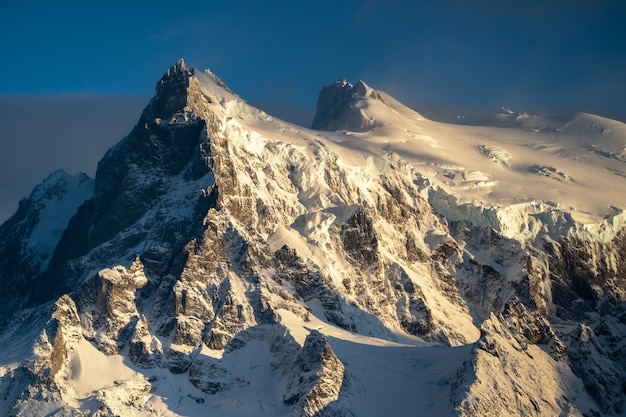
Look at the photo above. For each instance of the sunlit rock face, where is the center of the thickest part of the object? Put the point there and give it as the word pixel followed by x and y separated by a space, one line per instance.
pixel 225 262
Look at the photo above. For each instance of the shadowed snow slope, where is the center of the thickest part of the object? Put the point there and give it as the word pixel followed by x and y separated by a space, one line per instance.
pixel 229 263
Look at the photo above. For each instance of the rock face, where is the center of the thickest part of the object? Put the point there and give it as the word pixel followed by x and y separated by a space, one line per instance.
pixel 229 263
pixel 317 378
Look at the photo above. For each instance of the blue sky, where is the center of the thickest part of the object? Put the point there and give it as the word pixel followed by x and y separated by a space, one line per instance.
pixel 488 53
pixel 485 53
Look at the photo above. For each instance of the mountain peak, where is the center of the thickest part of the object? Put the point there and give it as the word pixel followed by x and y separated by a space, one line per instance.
pixel 56 184
pixel 337 108
pixel 171 90
pixel 179 68
pixel 182 85
pixel 176 74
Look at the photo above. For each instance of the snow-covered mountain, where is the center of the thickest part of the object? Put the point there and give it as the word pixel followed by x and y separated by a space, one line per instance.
pixel 226 262
pixel 29 237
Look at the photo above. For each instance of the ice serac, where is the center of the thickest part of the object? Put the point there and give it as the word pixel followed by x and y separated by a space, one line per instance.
pixel 230 263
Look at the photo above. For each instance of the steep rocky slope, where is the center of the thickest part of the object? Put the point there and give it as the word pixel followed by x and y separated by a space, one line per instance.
pixel 230 263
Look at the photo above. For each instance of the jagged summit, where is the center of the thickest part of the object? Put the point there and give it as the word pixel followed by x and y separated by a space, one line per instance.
pixel 183 88
pixel 179 67
pixel 171 91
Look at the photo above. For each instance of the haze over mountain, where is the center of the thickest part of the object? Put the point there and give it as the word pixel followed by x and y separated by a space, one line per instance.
pixel 42 133
pixel 227 262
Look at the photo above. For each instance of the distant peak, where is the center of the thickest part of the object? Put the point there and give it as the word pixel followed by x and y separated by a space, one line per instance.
pixel 56 183
pixel 56 175
pixel 62 175
pixel 334 106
